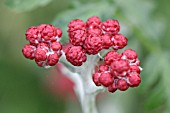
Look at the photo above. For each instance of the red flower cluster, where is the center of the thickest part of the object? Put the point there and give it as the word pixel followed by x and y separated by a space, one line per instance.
pixel 44 46
pixel 119 71
pixel 93 36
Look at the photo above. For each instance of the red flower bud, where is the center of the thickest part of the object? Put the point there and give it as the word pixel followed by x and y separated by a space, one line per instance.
pixel 134 79
pixel 28 51
pixel 122 85
pixel 76 55
pixel 111 56
pixel 111 27
pixel 106 79
pixel 119 41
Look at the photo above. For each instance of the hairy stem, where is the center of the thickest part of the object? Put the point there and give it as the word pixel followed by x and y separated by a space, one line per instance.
pixel 85 89
pixel 89 104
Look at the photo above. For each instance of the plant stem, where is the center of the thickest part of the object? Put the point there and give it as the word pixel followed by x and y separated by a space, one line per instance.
pixel 89 104
pixel 84 88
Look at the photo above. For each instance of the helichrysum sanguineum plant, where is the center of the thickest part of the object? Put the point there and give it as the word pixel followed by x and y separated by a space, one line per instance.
pixel 87 68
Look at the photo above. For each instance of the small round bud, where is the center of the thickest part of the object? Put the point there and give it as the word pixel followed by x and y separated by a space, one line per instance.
pixel 93 44
pixel 120 66
pixel 111 27
pixel 76 55
pixel 111 56
pixel 76 25
pixel 28 51
pixel 52 59
pixel 53 31
pixel 96 79
pixel 130 55
pixel 106 79
pixel 112 88
pixel 122 85
pixel 93 22
pixel 48 32
pixel 56 46
pixel 40 55
pixel 32 35
pixel 134 79
pixel 119 41
pixel 77 37
pixel 107 42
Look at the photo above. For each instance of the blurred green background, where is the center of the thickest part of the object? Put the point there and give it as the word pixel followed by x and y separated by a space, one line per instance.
pixel 144 22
